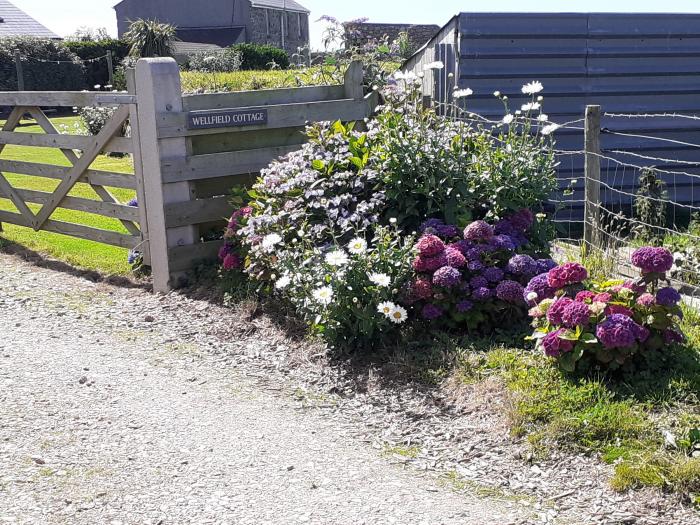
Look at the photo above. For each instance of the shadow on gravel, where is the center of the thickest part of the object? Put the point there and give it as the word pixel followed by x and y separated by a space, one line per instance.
pixel 42 261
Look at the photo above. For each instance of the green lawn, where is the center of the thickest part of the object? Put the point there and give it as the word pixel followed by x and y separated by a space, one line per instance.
pixel 84 254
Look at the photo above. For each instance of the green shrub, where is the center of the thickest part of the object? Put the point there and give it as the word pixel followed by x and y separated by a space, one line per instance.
pixel 150 38
pixel 47 65
pixel 97 72
pixel 224 61
pixel 261 57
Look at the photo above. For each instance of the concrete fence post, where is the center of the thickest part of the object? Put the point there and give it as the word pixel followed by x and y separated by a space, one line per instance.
pixel 593 205
pixel 159 92
pixel 20 71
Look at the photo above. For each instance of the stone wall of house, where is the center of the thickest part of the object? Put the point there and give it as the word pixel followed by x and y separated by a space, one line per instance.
pixel 266 28
pixel 358 34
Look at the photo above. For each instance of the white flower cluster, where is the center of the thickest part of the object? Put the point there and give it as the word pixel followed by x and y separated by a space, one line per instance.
pixel 395 313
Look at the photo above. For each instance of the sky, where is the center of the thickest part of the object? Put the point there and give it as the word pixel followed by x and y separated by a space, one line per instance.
pixel 65 16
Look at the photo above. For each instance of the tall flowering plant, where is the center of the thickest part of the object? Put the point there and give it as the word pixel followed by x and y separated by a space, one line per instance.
pixel 582 323
pixel 473 278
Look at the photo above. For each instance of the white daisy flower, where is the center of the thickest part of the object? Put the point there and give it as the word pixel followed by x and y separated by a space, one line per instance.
pixel 283 282
pixel 462 93
pixel 323 295
pixel 380 279
pixel 532 88
pixel 551 128
pixel 532 296
pixel 508 118
pixel 386 308
pixel 531 106
pixel 337 258
pixel 357 246
pixel 543 117
pixel 398 315
pixel 270 241
pixel 434 65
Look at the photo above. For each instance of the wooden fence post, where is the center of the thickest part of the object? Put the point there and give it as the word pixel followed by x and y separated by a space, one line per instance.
pixel 110 67
pixel 592 237
pixel 158 93
pixel 20 71
pixel 354 78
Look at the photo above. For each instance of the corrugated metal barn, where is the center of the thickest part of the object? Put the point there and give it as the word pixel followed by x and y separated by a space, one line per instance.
pixel 627 63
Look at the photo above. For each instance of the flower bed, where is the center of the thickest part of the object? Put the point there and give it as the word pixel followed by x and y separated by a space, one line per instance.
pixel 610 324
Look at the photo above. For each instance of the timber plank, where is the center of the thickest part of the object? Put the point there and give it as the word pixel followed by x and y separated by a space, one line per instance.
pixel 49 171
pixel 198 211
pixel 262 97
pixel 64 98
pixel 79 142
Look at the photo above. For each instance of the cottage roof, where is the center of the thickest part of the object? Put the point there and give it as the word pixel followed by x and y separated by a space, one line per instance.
pixel 15 22
pixel 289 5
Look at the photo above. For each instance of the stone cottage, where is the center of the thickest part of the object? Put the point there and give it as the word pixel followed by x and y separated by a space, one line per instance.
pixel 221 23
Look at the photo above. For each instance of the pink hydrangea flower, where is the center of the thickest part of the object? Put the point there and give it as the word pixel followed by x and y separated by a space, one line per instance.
pixel 646 300
pixel 618 309
pixel 576 314
pixel 232 262
pixel 430 246
pixel 478 231
pixel 555 314
pixel 554 346
pixel 652 260
pixel 585 296
pixel 455 258
pixel 566 274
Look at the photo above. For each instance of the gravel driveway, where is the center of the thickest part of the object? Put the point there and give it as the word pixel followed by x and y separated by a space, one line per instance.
pixel 114 409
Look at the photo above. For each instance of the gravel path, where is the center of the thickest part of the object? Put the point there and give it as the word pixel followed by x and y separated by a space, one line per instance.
pixel 116 408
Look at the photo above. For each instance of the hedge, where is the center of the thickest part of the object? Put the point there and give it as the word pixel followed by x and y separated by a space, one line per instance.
pixel 259 57
pixel 47 65
pixel 97 72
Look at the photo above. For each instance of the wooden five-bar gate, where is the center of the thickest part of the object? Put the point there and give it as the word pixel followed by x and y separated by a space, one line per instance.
pixel 188 153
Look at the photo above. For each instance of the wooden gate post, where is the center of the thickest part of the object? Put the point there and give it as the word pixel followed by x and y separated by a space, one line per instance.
pixel 591 235
pixel 159 93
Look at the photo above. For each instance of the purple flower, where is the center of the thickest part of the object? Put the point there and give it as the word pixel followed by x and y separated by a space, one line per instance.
pixel 448 231
pixel 447 277
pixel 555 314
pixel 522 220
pixel 429 264
pixel 481 294
pixel 455 258
pixel 554 346
pixel 463 246
pixel 431 312
pixel 540 286
pixel 502 242
pixel 478 231
pixel 544 265
pixel 672 337
pixel 585 296
pixel 133 203
pixel 576 314
pixel 668 297
pixel 475 266
pixel 566 274
pixel 478 282
pixel 421 289
pixel 133 257
pixel 652 260
pixel 430 246
pixel 464 306
pixel 493 274
pixel 522 265
pixel 510 292
pixel 620 331
pixel 431 226
pixel 224 251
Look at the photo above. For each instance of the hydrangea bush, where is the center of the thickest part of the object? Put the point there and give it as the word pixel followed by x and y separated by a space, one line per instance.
pixel 611 324
pixel 473 278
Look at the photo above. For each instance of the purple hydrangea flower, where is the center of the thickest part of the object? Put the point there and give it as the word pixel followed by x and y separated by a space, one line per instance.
pixel 509 291
pixel 447 277
pixel 567 274
pixel 620 331
pixel 493 274
pixel 429 264
pixel 652 260
pixel 540 286
pixel 672 337
pixel 503 242
pixel 481 294
pixel 668 297
pixel 431 312
pixel 455 258
pixel 479 282
pixel 544 265
pixel 522 265
pixel 431 226
pixel 478 231
pixel 447 231
pixel 522 220
pixel 555 314
pixel 421 289
pixel 464 306
pixel 554 346
pixel 576 314
pixel 475 266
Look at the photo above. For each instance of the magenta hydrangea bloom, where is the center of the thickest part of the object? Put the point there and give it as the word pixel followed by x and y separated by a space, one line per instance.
pixel 479 282
pixel 652 260
pixel 493 274
pixel 224 251
pixel 636 288
pixel 620 331
pixel 604 297
pixel 455 258
pixel 447 277
pixel 576 314
pixel 555 314
pixel 553 346
pixel 522 265
pixel 618 309
pixel 585 296
pixel 422 289
pixel 232 262
pixel 539 285
pixel 478 231
pixel 431 312
pixel 567 274
pixel 510 292
pixel 430 246
pixel 646 300
pixel 668 297
pixel 481 294
pixel 429 264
